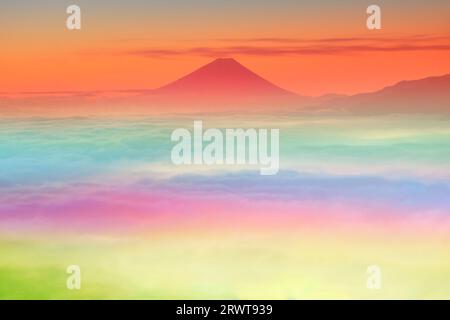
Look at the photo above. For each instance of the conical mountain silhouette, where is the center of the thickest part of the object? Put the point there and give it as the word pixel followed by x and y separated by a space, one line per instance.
pixel 223 77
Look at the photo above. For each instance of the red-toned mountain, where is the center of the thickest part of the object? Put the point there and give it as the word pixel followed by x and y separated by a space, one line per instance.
pixel 431 94
pixel 223 77
pixel 224 82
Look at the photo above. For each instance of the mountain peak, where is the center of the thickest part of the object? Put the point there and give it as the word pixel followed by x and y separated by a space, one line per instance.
pixel 225 60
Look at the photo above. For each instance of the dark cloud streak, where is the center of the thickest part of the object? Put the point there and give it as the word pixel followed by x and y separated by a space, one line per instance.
pixel 282 50
pixel 298 46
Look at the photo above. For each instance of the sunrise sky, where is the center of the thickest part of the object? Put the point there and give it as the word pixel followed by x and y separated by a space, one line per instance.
pixel 307 48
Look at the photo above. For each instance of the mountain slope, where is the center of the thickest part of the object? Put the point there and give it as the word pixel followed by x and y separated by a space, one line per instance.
pixel 430 94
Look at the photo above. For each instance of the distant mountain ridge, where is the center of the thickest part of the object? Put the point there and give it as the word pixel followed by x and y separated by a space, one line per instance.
pixel 430 94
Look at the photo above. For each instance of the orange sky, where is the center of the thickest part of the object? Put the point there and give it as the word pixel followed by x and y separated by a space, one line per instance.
pixel 308 49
